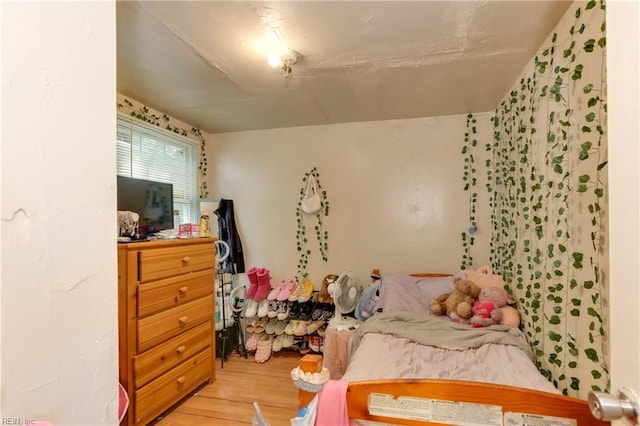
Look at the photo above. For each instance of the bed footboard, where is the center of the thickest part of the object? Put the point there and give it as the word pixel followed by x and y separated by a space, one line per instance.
pixel 414 402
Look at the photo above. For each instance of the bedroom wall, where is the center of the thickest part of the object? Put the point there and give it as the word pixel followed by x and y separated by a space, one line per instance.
pixel 59 279
pixel 550 198
pixel 394 188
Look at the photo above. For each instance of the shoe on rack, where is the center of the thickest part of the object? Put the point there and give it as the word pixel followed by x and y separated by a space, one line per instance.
pixel 251 325
pixel 252 309
pixel 271 326
pixel 263 351
pixel 301 329
pixel 275 291
pixel 252 344
pixel 315 342
pixel 306 292
pixel 315 326
pixel 294 311
pixel 273 309
pixel 291 327
pixel 328 311
pixel 295 294
pixel 306 310
pixel 261 325
pixel 287 340
pixel 253 282
pixel 283 310
pixel 289 287
pixel 264 284
pixel 263 308
pixel 317 311
pixel 281 326
pixel 277 343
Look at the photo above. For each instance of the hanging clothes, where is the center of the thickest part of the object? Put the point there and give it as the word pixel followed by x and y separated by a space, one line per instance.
pixel 229 234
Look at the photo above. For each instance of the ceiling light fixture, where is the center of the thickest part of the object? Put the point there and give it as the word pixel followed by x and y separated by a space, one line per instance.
pixel 279 56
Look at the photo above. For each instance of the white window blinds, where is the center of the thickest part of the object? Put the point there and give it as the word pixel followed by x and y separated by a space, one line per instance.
pixel 151 153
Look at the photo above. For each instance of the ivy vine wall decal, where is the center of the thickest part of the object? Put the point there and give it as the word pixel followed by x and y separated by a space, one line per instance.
pixel 322 235
pixel 470 181
pixel 547 181
pixel 141 112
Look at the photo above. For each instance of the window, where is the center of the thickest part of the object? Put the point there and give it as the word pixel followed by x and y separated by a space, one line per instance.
pixel 148 152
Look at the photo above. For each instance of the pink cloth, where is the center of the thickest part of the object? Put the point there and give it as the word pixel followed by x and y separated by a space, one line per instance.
pixel 332 404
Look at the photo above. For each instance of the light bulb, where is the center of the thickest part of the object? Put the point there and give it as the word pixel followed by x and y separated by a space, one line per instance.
pixel 274 60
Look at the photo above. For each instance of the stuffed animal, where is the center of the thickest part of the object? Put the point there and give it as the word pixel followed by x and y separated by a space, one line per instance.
pixel 484 277
pixel 487 309
pixel 457 304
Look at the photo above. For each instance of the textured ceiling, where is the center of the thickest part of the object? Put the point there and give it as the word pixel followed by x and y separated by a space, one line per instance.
pixel 360 61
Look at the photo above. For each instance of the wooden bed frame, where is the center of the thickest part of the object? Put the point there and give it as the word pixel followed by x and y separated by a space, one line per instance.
pixel 496 403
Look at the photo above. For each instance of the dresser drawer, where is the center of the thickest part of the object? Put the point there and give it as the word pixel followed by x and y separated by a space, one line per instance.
pixel 162 326
pixel 171 261
pixel 167 355
pixel 157 296
pixel 154 398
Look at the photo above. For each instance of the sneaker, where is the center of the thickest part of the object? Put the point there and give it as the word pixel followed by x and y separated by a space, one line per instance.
pixel 273 309
pixel 306 291
pixel 314 343
pixel 327 311
pixel 283 311
pixel 252 309
pixel 294 311
pixel 316 314
pixel 289 287
pixel 275 292
pixel 263 308
pixel 305 310
pixel 293 297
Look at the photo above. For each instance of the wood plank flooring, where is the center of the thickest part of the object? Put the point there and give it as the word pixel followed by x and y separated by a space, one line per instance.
pixel 229 401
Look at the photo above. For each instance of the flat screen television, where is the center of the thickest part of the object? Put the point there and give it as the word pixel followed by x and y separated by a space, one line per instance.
pixel 153 201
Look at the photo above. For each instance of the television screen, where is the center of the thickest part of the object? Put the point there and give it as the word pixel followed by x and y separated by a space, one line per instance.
pixel 153 201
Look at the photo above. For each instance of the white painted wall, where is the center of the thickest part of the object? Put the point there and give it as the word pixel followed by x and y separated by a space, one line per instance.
pixel 59 279
pixel 395 191
pixel 623 67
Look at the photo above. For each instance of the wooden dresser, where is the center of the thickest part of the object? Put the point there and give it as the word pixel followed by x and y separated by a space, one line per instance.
pixel 165 322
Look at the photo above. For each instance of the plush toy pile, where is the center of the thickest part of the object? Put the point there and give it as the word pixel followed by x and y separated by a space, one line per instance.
pixel 480 300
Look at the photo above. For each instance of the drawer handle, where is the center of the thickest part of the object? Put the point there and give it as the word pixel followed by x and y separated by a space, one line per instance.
pixel 186 260
pixel 183 320
pixel 183 290
pixel 181 380
pixel 181 349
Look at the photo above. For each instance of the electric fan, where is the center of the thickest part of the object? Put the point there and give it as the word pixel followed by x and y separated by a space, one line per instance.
pixel 346 291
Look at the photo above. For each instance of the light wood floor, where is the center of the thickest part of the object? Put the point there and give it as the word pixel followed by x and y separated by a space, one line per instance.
pixel 229 401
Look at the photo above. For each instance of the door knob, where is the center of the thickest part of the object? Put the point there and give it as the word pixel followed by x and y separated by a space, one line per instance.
pixel 607 407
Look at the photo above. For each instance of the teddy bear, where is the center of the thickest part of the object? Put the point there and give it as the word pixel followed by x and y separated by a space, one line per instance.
pixel 487 309
pixel 457 303
pixel 485 277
